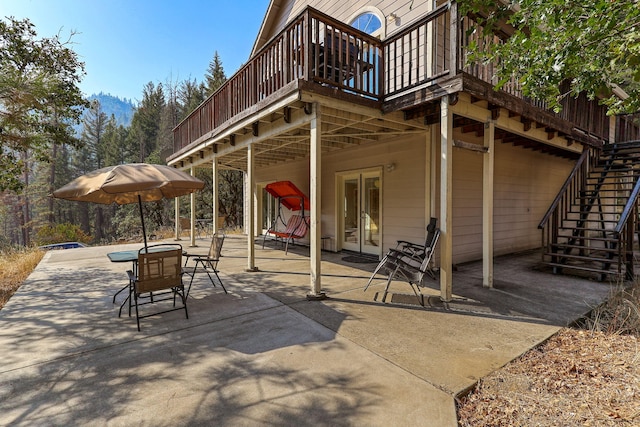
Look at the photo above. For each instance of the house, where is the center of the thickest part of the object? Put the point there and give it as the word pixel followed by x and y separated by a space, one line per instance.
pixel 370 108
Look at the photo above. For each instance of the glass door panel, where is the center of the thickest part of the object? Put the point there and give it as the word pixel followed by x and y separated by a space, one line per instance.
pixel 371 214
pixel 351 214
pixel 361 217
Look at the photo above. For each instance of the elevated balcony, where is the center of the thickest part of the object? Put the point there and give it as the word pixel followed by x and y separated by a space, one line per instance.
pixel 409 71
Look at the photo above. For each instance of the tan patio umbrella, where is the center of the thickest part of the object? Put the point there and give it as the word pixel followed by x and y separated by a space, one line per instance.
pixel 130 183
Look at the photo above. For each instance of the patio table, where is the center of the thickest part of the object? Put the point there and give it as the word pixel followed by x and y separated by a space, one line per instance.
pixel 124 256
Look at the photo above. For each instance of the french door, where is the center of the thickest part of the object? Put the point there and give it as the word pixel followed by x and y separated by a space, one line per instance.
pixel 360 211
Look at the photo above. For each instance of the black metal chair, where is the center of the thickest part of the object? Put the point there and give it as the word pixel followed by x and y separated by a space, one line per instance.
pixel 404 268
pixel 411 253
pixel 207 262
pixel 157 277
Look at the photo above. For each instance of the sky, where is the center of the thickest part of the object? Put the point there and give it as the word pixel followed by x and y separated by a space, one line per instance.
pixel 126 44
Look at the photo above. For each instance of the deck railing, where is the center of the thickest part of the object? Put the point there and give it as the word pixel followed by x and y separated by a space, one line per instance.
pixel 628 127
pixel 419 54
pixel 314 47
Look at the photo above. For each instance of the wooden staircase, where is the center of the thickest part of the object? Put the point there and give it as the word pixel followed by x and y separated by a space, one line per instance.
pixel 590 225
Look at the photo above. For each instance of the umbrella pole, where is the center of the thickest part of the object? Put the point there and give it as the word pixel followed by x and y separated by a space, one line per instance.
pixel 144 232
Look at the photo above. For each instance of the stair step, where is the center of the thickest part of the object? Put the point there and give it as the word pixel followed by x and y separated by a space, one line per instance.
pixel 608 230
pixel 595 196
pixel 602 220
pixel 588 214
pixel 582 247
pixel 601 204
pixel 623 185
pixel 603 169
pixel 585 258
pixel 582 268
pixel 593 213
pixel 590 238
pixel 621 146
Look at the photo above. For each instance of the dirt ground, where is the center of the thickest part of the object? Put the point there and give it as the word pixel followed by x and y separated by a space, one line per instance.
pixel 577 378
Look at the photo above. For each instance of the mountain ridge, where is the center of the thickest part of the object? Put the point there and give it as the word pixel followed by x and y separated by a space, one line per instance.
pixel 121 109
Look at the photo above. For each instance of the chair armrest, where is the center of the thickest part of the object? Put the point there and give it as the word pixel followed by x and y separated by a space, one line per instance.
pixel 404 245
pixel 410 249
pixel 402 258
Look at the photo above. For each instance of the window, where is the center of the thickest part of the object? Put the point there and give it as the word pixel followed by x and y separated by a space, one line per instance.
pixel 367 22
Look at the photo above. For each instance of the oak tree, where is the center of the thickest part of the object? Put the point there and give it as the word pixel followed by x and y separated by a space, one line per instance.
pixel 556 48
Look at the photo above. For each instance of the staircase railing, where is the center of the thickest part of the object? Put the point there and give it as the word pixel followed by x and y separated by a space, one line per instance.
pixel 568 193
pixel 624 231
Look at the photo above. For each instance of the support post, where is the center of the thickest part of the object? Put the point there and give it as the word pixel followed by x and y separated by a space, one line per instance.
pixel 446 204
pixel 250 220
pixel 214 201
pixel 428 171
pixel 315 180
pixel 176 216
pixel 487 204
pixel 193 213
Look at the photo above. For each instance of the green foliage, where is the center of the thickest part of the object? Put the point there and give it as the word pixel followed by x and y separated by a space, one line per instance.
pixel 39 97
pixel 145 125
pixel 190 95
pixel 103 142
pixel 215 76
pixel 230 197
pixel 589 46
pixel 60 233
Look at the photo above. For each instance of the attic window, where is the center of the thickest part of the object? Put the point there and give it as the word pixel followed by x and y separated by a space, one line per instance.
pixel 367 22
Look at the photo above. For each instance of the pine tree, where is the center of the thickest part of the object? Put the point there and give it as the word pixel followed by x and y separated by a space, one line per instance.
pixel 190 95
pixel 215 76
pixel 145 125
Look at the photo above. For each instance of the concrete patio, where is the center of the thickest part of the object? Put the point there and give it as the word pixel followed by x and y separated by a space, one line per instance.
pixel 263 354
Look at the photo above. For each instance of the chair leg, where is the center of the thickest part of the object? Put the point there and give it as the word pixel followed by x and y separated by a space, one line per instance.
pixel 118 293
pixel 135 296
pixel 193 274
pixel 184 302
pixel 417 293
pixel 386 288
pixel 220 280
pixel 378 267
pixel 218 277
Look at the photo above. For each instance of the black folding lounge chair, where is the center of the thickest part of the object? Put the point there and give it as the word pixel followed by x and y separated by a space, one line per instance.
pixel 412 253
pixel 401 267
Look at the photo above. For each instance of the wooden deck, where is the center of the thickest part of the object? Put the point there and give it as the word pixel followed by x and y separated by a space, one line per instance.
pixel 407 72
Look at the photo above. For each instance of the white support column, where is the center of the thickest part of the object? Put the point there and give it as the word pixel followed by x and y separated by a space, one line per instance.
pixel 176 216
pixel 193 213
pixel 428 168
pixel 250 222
pixel 446 205
pixel 487 205
pixel 315 180
pixel 214 200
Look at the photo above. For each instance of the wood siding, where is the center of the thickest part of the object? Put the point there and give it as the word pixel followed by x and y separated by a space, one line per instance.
pixel 403 189
pixel 525 184
pixel 407 11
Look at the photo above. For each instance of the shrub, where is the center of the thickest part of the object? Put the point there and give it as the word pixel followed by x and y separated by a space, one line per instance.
pixel 59 233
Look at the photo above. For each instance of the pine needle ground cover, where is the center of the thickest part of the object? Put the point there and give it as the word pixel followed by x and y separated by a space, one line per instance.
pixel 579 377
